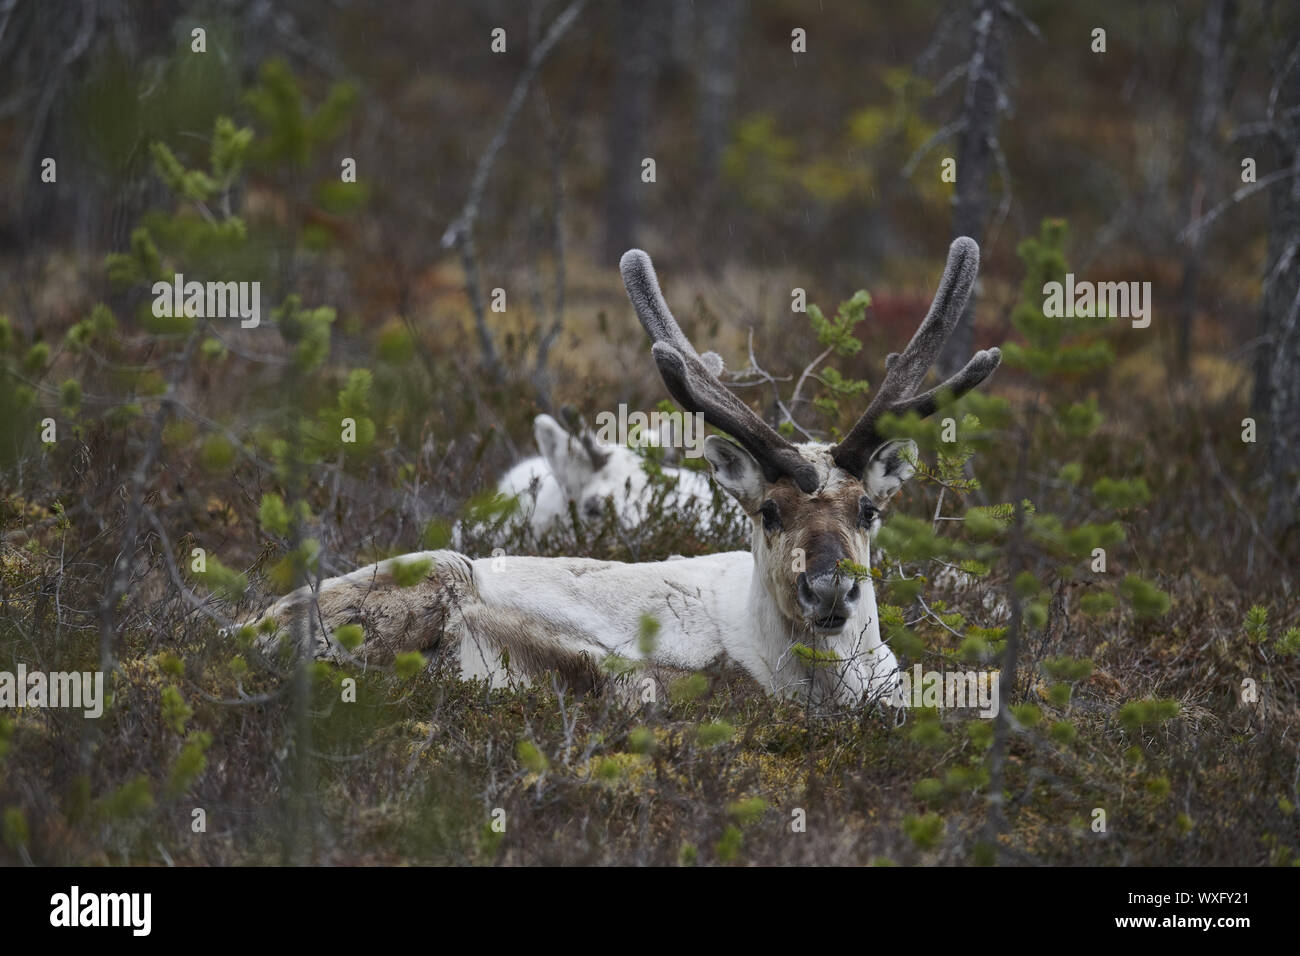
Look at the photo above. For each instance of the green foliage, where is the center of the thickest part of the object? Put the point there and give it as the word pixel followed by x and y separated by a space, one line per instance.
pixel 1063 732
pixel 1080 419
pixel 1067 668
pixel 836 333
pixel 912 539
pixel 36 359
pixel 1028 715
pixel 1256 624
pixel 761 159
pixel 436 535
pixel 714 733
pixel 1121 495
pixel 836 336
pixel 294 131
pixel 171 665
pixel 1097 603
pixel 1055 345
pixel 175 712
pixel 411 572
pixel 1158 787
pixel 142 264
pixel 530 757
pixel 927 730
pixel 1138 714
pixel 129 800
pixel 1146 599
pixel 928 790
pixel 349 636
pixel 617 665
pixel 189 764
pixel 15 828
pixel 292 569
pixel 988 521
pixel 641 741
pixel 924 830
pixel 690 687
pixel 229 585
pixel 408 665
pixel 980 733
pixel 192 184
pixel 70 394
pixel 307 330
pixel 812 657
pixel 273 515
pixel 727 849
pixel 647 633
pixel 748 811
pixel 395 344
pixel 229 150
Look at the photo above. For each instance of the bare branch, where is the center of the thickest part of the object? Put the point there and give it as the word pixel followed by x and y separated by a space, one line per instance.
pixel 461 231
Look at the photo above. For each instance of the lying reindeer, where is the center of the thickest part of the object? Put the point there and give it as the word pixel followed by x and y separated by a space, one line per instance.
pixel 813 507
pixel 591 473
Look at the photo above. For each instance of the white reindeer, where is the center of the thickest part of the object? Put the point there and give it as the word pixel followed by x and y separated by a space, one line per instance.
pixel 812 506
pixel 582 469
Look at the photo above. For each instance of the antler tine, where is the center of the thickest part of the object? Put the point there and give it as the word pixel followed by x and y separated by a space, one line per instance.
pixel 905 372
pixel 643 289
pixel 692 379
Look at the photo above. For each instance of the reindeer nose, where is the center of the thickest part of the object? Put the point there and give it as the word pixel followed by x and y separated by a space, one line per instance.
pixel 828 599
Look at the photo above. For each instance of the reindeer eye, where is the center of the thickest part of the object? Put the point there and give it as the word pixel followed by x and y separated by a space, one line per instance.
pixel 867 512
pixel 771 515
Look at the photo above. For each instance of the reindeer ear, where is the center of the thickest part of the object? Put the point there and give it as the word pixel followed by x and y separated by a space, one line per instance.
pixel 567 458
pixel 890 465
pixel 737 471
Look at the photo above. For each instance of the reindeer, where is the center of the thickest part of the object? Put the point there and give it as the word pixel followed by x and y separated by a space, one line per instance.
pixel 813 506
pixel 578 467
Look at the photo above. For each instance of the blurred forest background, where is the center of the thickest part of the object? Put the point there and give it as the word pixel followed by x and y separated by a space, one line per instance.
pixel 499 155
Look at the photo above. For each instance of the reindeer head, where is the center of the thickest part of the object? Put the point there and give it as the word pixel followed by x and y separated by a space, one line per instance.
pixel 592 472
pixel 813 505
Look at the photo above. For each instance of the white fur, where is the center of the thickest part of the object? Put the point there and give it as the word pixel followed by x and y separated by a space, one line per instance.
pixel 544 485
pixel 711 609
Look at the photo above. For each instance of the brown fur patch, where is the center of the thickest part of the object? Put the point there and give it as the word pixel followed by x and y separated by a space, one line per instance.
pixel 822 524
pixel 529 645
pixel 394 620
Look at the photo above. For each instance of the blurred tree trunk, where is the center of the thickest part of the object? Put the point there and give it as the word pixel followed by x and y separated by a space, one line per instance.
pixel 634 43
pixel 1211 41
pixel 985 73
pixel 720 24
pixel 1277 384
pixel 681 34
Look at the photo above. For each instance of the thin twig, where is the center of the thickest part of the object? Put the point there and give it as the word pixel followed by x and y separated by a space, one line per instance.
pixel 460 233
